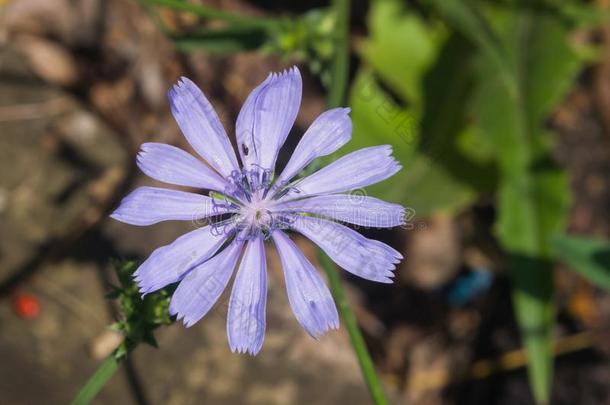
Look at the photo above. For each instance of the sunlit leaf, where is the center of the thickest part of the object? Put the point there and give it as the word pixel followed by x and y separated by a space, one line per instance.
pixel 400 48
pixel 410 94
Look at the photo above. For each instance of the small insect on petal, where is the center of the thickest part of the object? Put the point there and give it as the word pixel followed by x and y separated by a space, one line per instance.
pixel 26 306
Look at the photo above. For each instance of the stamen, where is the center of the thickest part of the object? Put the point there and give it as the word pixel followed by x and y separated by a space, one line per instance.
pixel 254 217
pixel 225 227
pixel 283 191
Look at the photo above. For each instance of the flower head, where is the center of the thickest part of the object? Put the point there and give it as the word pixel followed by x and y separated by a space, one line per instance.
pixel 249 204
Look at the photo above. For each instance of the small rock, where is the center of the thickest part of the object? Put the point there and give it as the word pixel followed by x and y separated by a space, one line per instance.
pixel 49 60
pixel 105 343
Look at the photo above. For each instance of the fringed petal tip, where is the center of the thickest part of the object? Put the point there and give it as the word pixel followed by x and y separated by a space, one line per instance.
pixel 393 164
pixel 145 149
pixel 183 83
pixel 292 71
pixel 320 330
pixel 180 316
pixel 201 126
pixel 184 87
pixel 387 279
pixel 249 350
pixel 143 288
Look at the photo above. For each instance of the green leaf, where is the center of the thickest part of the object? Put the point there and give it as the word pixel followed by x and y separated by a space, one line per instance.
pixel 97 381
pixel 423 184
pixel 533 196
pixel 465 17
pixel 588 257
pixel 401 47
pixel 572 12
pixel 410 94
pixel 447 137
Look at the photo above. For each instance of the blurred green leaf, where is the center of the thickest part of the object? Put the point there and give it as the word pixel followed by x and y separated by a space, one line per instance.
pixel 401 47
pixel 466 17
pixel 588 257
pixel 309 39
pixel 533 195
pixel 574 13
pixel 411 95
pixel 447 137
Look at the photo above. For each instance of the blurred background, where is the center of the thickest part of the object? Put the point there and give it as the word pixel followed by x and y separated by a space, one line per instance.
pixel 499 111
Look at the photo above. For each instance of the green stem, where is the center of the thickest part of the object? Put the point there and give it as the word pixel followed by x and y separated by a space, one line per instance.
pixel 336 97
pixel 97 381
pixel 340 64
pixel 364 358
pixel 216 14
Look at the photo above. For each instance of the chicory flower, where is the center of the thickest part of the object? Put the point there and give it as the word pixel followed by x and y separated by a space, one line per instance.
pixel 248 204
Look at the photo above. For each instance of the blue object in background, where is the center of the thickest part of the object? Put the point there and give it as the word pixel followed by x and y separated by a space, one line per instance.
pixel 469 286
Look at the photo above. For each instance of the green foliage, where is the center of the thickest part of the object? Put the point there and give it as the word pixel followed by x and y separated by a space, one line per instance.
pixel 464 105
pixel 410 94
pixel 588 257
pixel 461 89
pixel 309 39
pixel 140 316
pixel 97 381
pixel 525 67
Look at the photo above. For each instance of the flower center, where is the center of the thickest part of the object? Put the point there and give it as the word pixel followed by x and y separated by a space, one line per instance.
pixel 257 213
pixel 247 190
pixel 250 192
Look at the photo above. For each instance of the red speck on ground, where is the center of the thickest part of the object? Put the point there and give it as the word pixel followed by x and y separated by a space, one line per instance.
pixel 26 306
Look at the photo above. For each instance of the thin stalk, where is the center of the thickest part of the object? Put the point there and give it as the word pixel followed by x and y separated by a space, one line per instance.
pixel 97 381
pixel 336 97
pixel 349 320
pixel 216 14
pixel 340 64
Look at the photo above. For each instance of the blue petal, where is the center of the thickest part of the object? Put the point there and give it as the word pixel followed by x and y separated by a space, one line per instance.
pixel 331 130
pixel 354 209
pixel 355 170
pixel 149 205
pixel 309 298
pixel 172 165
pixel 168 264
pixel 201 287
pixel 267 117
pixel 246 319
pixel 366 258
pixel 201 127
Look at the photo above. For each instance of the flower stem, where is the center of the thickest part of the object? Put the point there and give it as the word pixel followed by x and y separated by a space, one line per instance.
pixel 340 63
pixel 364 358
pixel 97 381
pixel 336 97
